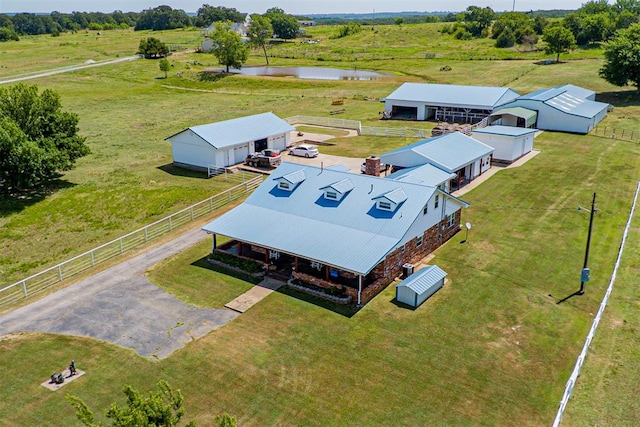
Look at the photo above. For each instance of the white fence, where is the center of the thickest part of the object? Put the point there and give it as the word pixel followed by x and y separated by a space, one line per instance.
pixel 38 282
pixel 406 132
pixel 592 332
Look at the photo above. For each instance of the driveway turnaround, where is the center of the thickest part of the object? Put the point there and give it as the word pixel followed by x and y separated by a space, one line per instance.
pixel 120 306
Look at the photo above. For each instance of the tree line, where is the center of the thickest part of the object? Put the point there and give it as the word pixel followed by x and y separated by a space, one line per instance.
pixel 158 18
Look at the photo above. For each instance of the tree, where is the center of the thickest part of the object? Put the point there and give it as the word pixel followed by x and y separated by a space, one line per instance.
pixel 7 34
pixel 558 39
pixel 226 420
pixel 164 66
pixel 399 21
pixel 478 20
pixel 162 18
pixel 152 48
pixel 284 26
pixel 228 46
pixel 506 38
pixel 209 14
pixel 622 58
pixel 37 138
pixel 162 408
pixel 260 32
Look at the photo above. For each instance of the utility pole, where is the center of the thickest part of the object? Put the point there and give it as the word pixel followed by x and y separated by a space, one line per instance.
pixel 586 273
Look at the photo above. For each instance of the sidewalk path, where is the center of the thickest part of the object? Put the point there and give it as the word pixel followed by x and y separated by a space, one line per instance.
pixel 119 305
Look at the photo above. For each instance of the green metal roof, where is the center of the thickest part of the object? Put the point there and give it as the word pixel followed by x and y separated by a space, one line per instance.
pixel 529 116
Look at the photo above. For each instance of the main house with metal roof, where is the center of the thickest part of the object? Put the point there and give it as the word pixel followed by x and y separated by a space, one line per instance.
pixel 227 143
pixel 565 108
pixel 449 103
pixel 332 228
pixel 461 157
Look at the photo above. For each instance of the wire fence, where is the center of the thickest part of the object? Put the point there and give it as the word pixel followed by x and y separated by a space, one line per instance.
pixel 568 390
pixel 357 125
pixel 616 133
pixel 32 285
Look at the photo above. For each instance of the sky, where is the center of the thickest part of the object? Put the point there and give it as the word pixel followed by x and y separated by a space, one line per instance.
pixel 295 7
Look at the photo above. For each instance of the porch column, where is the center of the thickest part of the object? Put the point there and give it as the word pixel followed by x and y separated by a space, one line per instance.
pixel 359 288
pixel 326 273
pixel 296 264
pixel 266 256
pixel 214 245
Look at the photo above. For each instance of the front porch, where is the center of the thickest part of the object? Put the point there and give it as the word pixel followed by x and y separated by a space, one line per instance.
pixel 314 275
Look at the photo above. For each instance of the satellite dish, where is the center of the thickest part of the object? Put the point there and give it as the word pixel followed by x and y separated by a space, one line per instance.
pixel 468 225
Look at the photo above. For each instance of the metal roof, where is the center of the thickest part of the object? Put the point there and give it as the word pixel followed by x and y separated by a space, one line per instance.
pixel 424 279
pixel 505 130
pixel 350 234
pixel 568 99
pixel 577 91
pixel 233 132
pixel 529 116
pixel 341 187
pixel 425 174
pixel 449 152
pixel 396 196
pixel 482 97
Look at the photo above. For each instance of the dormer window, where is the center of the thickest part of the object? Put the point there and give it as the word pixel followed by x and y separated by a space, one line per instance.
pixel 390 200
pixel 338 190
pixel 385 206
pixel 284 185
pixel 290 181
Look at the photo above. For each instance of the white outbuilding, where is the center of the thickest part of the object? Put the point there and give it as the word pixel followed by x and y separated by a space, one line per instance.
pixel 509 143
pixel 227 143
pixel 418 287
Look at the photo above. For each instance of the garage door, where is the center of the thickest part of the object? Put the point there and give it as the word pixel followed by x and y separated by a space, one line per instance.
pixel 240 153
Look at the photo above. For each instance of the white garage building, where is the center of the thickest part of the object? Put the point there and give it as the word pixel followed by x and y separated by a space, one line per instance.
pixel 449 103
pixel 227 143
pixel 509 143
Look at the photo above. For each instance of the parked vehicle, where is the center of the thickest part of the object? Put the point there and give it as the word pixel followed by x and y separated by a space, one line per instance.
pixel 304 150
pixel 268 158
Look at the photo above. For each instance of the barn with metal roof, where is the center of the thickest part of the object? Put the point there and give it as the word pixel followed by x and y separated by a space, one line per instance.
pixel 565 108
pixel 449 103
pixel 335 228
pixel 227 143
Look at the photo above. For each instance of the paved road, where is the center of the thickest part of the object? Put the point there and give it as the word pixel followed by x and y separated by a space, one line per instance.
pixel 119 305
pixel 30 76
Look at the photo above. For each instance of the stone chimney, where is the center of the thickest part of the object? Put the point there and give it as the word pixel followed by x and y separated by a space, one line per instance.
pixel 372 166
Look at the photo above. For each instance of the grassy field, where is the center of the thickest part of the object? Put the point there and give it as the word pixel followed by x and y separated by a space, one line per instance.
pixel 491 348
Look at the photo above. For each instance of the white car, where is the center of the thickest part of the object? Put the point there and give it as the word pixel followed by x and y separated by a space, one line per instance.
pixel 304 150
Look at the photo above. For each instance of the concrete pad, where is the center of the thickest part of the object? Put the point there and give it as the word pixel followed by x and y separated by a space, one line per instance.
pixel 254 295
pixel 68 378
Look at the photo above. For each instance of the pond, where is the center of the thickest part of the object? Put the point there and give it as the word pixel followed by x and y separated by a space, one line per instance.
pixel 318 73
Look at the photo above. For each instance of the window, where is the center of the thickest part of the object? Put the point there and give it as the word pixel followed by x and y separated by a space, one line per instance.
pixel 451 220
pixel 284 185
pixel 331 195
pixel 425 209
pixel 384 205
pixel 419 242
pixel 437 201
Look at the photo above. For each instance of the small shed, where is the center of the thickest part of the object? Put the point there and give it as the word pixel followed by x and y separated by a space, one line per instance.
pixel 418 287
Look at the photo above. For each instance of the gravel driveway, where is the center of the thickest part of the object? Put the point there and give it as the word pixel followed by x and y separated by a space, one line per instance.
pixel 120 306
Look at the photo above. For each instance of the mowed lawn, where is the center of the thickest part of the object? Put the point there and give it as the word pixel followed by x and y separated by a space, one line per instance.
pixel 491 348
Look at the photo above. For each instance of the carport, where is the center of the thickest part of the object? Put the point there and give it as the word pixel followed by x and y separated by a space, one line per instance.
pixel 514 116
